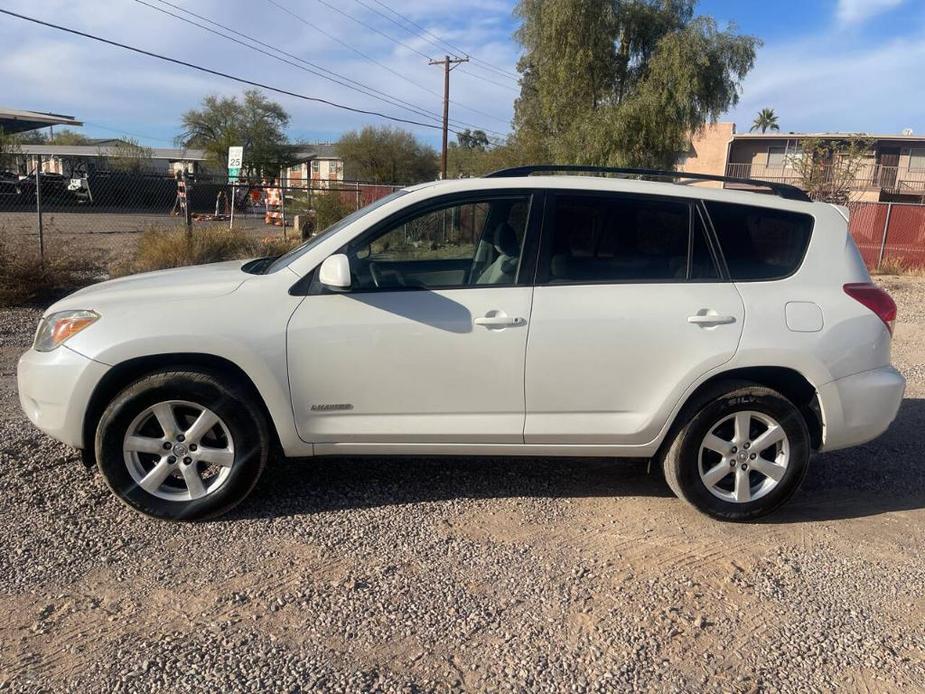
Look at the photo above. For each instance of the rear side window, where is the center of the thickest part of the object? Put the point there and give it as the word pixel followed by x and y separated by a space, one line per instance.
pixel 609 238
pixel 760 243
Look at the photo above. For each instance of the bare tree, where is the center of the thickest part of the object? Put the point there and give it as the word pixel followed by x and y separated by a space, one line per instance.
pixel 830 168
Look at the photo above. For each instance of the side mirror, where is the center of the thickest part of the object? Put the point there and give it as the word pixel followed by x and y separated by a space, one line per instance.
pixel 335 272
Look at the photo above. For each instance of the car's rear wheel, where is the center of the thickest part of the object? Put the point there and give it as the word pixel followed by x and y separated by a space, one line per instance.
pixel 182 445
pixel 740 455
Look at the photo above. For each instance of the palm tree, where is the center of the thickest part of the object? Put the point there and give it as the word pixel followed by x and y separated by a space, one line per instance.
pixel 765 120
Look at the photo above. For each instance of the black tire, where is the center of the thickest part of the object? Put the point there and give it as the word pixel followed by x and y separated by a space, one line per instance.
pixel 234 405
pixel 681 457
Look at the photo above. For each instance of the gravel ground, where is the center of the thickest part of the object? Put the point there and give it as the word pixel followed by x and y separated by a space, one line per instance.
pixel 466 574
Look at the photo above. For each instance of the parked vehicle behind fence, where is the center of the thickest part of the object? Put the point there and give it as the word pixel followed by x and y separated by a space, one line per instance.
pixel 727 335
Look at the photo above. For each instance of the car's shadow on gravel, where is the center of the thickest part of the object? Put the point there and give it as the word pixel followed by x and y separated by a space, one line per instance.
pixel 885 475
pixel 338 483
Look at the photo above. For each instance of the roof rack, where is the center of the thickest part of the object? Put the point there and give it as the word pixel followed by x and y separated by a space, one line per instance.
pixel 782 190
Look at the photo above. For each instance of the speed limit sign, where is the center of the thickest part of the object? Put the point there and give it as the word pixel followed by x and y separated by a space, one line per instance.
pixel 235 161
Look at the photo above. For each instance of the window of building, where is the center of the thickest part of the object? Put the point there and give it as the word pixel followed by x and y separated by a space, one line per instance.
pixel 604 238
pixel 777 157
pixel 760 243
pixel 917 159
pixel 785 156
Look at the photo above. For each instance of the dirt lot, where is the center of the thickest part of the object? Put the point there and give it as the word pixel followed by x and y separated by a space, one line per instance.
pixel 510 575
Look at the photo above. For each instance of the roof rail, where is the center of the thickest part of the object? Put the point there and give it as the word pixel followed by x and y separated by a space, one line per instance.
pixel 783 190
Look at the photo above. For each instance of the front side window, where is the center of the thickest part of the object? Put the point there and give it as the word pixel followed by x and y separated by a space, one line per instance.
pixel 602 238
pixel 760 243
pixel 471 243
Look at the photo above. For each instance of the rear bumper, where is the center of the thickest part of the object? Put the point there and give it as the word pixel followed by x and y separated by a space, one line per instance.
pixel 859 408
pixel 54 390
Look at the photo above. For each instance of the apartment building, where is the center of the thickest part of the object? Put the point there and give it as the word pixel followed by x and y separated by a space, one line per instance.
pixel 892 171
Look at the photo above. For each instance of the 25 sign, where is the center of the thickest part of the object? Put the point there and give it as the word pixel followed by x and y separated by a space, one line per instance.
pixel 235 161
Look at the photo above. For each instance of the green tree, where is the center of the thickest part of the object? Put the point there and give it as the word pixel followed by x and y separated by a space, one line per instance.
pixel 473 139
pixel 254 122
pixel 386 155
pixel 765 120
pixel 622 82
pixel 66 136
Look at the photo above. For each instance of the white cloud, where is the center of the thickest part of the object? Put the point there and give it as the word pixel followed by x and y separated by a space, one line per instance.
pixel 854 11
pixel 46 70
pixel 822 84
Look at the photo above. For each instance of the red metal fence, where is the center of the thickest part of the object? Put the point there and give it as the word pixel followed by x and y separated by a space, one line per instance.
pixel 889 230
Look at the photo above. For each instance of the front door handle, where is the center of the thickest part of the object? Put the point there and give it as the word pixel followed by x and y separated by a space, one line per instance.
pixel 709 319
pixel 500 321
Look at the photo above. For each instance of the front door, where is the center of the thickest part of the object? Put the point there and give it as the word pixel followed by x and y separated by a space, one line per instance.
pixel 629 310
pixel 888 160
pixel 428 344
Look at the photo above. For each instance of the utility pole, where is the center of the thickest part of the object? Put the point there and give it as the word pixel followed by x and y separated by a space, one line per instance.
pixel 448 64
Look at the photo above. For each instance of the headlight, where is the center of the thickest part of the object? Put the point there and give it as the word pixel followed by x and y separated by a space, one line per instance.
pixel 58 328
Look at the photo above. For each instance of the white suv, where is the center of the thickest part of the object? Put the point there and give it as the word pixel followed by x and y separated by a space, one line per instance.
pixel 723 333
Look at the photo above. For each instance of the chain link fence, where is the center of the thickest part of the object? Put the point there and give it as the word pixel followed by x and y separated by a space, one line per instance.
pixel 107 211
pixel 889 231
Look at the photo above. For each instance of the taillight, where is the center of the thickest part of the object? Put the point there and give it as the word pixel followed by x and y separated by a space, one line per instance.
pixel 876 299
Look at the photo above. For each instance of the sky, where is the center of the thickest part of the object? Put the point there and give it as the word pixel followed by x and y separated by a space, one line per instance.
pixel 825 65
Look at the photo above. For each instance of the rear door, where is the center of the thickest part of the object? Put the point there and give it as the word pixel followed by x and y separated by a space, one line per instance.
pixel 629 309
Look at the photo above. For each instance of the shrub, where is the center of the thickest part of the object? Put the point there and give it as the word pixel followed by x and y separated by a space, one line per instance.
pixel 330 207
pixel 159 249
pixel 26 279
pixel 276 245
pixel 893 265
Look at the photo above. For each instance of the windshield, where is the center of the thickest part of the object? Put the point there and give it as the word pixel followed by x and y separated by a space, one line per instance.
pixel 297 252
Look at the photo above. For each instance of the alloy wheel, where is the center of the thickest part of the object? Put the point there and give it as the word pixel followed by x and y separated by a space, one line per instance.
pixel 178 451
pixel 744 456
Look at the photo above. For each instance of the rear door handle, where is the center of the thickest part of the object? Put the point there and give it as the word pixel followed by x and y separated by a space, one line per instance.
pixel 500 321
pixel 710 319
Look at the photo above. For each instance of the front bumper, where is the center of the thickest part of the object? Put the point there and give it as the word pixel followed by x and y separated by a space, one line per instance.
pixel 54 390
pixel 858 408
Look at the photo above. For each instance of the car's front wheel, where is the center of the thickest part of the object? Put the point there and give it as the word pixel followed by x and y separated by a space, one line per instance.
pixel 182 445
pixel 741 455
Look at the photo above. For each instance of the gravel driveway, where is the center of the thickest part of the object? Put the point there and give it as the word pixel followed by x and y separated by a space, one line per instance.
pixel 466 574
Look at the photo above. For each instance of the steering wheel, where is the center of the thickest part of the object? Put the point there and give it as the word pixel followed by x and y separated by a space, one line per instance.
pixel 374 273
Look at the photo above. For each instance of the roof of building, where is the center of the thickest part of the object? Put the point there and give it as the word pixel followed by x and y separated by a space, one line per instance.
pixel 13 120
pixel 306 151
pixel 168 153
pixel 838 136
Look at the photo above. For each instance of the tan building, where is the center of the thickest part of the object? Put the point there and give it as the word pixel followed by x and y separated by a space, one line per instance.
pixel 318 163
pixel 894 169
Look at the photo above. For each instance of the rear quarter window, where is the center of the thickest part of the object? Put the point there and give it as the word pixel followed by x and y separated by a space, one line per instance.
pixel 760 243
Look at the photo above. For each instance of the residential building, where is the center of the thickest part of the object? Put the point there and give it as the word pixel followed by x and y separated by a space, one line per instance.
pixel 318 163
pixel 14 120
pixel 107 155
pixel 892 170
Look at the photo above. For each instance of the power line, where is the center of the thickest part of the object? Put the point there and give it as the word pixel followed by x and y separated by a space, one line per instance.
pixel 363 55
pixel 123 132
pixel 402 43
pixel 374 29
pixel 313 69
pixel 426 32
pixel 218 73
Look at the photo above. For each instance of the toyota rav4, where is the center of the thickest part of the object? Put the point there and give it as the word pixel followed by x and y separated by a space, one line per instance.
pixel 725 334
